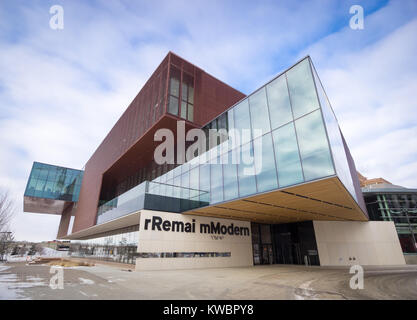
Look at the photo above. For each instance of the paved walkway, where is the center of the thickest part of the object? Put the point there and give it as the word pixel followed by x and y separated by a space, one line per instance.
pixel 104 281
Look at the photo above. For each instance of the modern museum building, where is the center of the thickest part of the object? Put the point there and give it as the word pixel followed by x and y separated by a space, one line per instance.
pixel 196 174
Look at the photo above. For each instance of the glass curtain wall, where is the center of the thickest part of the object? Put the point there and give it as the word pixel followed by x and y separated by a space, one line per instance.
pixel 120 246
pixel 276 138
pixel 401 208
pixel 335 138
pixel 52 182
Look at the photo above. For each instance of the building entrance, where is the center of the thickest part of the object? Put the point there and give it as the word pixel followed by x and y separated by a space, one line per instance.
pixel 289 243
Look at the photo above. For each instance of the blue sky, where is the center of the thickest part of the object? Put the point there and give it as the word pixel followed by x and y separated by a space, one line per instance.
pixel 62 90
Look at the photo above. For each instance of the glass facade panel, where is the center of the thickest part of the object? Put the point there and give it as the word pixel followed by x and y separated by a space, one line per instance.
pixel 230 181
pixel 185 184
pixel 259 113
pixel 191 95
pixel 51 182
pixel 205 178
pixel 279 102
pixel 174 88
pixel 266 175
pixel 194 183
pixel 314 147
pixel 287 156
pixel 183 109
pixel 302 92
pixel 216 190
pixel 173 105
pixel 120 247
pixel 335 139
pixel 246 170
pixel 190 115
pixel 242 118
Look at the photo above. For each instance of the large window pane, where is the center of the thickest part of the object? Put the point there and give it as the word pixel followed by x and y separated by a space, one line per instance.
pixel 259 113
pixel 184 92
pixel 173 105
pixel 194 183
pixel 314 148
pixel 279 102
pixel 242 119
pixel 185 185
pixel 246 170
pixel 204 181
pixel 190 115
pixel 191 95
pixel 216 191
pixel 287 156
pixel 302 92
pixel 174 88
pixel 183 109
pixel 230 181
pixel 266 175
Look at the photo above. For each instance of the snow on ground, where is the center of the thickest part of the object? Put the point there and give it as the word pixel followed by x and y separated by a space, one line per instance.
pixel 47 252
pixel 86 281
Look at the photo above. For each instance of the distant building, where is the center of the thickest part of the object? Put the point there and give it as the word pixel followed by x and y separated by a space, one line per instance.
pixel 388 202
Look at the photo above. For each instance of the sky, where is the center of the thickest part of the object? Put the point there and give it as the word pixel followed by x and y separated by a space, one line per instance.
pixel 61 91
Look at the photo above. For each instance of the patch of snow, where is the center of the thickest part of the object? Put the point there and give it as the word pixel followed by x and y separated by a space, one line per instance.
pixel 86 281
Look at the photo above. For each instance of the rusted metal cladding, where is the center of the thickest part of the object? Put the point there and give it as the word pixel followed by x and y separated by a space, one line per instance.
pixel 129 145
pixel 65 221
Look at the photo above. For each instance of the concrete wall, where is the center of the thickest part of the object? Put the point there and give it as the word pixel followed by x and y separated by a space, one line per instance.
pixel 364 243
pixel 155 241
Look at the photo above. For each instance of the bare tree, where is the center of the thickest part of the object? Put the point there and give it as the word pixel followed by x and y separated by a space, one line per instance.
pixel 6 240
pixel 6 211
pixel 6 214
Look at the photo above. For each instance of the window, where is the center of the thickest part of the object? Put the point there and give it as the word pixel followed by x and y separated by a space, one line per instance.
pixel 187 97
pixel 259 113
pixel 174 89
pixel 266 174
pixel 173 105
pixel 302 92
pixel 314 148
pixel 279 102
pixel 247 182
pixel 287 157
pixel 194 192
pixel 242 120
pixel 183 109
pixel 204 181
pixel 230 180
pixel 216 191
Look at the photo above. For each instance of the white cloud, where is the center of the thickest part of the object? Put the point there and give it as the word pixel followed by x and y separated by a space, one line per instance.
pixel 373 92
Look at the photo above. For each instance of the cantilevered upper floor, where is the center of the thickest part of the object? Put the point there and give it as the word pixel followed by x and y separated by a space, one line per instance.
pixel 51 189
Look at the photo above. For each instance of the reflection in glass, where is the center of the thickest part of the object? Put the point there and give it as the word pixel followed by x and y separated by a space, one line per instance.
pixel 174 88
pixel 173 105
pixel 259 113
pixel 242 118
pixel 230 181
pixel 194 175
pixel 302 91
pixel 279 102
pixel 335 139
pixel 266 175
pixel 247 182
pixel 287 157
pixel 205 178
pixel 314 148
pixel 216 191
